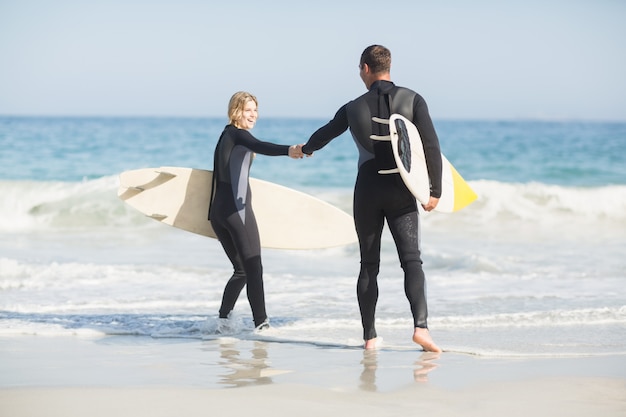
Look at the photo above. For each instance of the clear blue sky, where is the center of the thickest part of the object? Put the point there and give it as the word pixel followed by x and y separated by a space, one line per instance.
pixel 547 59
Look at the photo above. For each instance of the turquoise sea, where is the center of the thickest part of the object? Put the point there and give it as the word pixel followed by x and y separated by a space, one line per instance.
pixel 535 266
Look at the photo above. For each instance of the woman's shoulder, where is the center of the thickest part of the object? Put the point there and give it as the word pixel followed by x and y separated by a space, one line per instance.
pixel 234 133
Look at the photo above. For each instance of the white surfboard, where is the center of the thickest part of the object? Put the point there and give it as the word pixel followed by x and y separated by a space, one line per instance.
pixel 408 153
pixel 287 219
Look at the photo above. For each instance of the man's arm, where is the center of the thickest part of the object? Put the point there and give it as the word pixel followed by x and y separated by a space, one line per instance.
pixel 328 132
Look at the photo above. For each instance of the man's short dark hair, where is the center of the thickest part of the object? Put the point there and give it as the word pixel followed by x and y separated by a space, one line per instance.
pixel 377 57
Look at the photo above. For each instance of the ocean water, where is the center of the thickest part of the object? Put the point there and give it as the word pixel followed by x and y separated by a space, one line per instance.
pixel 535 267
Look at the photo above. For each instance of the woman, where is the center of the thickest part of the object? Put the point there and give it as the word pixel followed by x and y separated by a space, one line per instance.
pixel 230 211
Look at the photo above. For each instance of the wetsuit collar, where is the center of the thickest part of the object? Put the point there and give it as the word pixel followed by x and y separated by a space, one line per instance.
pixel 382 85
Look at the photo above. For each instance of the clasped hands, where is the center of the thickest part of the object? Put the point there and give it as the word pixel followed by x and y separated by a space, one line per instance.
pixel 295 152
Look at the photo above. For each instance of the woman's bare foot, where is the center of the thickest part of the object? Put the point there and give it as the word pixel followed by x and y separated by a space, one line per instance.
pixel 422 338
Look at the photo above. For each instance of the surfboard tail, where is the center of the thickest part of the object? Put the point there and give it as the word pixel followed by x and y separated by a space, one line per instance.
pixel 463 193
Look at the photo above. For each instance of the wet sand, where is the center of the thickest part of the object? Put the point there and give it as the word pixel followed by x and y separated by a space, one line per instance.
pixel 135 376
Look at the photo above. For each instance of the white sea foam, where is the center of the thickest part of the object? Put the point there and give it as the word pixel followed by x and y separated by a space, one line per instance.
pixel 539 212
pixel 31 206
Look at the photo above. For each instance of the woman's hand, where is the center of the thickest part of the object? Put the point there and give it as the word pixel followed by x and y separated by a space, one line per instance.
pixel 295 152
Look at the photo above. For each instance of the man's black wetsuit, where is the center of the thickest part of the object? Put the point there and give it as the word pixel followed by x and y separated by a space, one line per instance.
pixel 232 217
pixel 378 197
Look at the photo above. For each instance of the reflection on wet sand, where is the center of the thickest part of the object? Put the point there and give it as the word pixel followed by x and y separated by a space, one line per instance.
pixel 423 366
pixel 368 376
pixel 242 372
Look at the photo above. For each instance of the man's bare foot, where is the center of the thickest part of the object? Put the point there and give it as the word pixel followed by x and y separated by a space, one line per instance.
pixel 422 338
pixel 373 343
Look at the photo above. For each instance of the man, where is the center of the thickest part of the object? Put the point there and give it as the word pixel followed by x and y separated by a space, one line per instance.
pixel 385 196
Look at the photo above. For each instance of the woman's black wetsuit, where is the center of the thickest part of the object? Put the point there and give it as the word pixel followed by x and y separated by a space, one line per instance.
pixel 233 220
pixel 378 197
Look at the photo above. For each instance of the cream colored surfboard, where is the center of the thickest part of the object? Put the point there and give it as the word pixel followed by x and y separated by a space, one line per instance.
pixel 408 151
pixel 287 219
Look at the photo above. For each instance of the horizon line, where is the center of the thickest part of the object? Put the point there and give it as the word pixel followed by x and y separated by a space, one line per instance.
pixel 276 117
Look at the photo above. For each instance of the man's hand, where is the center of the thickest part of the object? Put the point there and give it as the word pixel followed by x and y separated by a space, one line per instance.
pixel 432 203
pixel 295 152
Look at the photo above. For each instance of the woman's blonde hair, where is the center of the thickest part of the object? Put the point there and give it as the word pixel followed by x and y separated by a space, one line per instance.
pixel 236 105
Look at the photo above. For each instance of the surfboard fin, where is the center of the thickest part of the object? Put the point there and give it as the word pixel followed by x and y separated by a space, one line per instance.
pixel 386 138
pixel 168 174
pixel 138 184
pixel 158 217
pixel 381 121
pixel 125 193
pixel 389 171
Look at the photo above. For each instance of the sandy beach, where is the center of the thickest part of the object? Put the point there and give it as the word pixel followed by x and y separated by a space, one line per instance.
pixel 136 376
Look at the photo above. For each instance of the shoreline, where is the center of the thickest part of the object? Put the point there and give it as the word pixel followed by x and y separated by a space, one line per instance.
pixel 131 375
